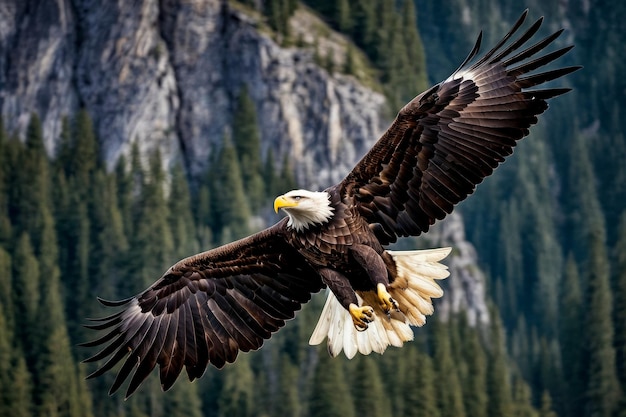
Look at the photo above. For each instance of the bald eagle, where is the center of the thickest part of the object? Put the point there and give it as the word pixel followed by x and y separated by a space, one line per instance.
pixel 208 307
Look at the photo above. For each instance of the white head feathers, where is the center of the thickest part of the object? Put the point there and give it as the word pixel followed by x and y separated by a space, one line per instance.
pixel 305 208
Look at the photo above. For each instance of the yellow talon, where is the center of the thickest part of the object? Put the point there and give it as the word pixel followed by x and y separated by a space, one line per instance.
pixel 386 301
pixel 361 316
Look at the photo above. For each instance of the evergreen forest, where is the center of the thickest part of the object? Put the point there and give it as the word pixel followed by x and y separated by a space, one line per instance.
pixel 549 227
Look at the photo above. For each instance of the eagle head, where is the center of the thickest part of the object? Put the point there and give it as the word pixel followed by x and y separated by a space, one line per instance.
pixel 305 208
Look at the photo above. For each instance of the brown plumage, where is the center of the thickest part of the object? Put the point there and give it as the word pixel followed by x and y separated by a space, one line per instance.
pixel 208 307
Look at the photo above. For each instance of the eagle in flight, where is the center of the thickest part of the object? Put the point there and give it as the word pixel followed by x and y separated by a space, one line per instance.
pixel 208 307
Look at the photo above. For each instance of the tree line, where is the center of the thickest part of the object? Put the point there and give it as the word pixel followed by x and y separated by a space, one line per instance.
pixel 71 231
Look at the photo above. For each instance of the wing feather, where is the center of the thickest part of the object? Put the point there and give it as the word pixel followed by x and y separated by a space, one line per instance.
pixel 449 138
pixel 205 309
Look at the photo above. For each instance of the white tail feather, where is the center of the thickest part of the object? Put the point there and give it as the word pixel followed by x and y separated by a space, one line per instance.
pixel 413 289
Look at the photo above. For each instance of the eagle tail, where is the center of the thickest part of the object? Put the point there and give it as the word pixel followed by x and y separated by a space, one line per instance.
pixel 413 288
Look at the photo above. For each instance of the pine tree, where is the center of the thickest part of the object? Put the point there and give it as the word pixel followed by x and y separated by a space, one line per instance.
pixel 183 400
pixel 330 396
pixel 5 233
pixel 107 238
pixel 64 150
pixel 247 142
pixel 287 179
pixel 85 152
pixel 180 220
pixel 237 399
pixel 420 393
pixel 546 406
pixel 57 390
pixel 75 254
pixel 584 214
pixel 342 15
pixel 26 295
pixel 620 304
pixel 603 389
pixel 277 16
pixel 415 73
pixel 510 261
pixel 364 28
pixel 230 206
pixel 350 66
pixel 367 390
pixel 21 387
pixel 522 400
pixel 447 385
pixel 203 217
pixel 548 373
pixel 151 247
pixel 475 381
pixel 29 188
pixel 125 194
pixel 6 292
pixel 498 388
pixel 571 333
pixel 288 403
pixel 270 178
pixel 6 353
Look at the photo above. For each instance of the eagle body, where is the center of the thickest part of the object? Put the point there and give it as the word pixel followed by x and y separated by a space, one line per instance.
pixel 208 307
pixel 330 245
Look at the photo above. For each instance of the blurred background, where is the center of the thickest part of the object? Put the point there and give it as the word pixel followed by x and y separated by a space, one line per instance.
pixel 135 133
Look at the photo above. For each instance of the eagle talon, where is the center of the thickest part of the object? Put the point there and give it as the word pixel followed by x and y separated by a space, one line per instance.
pixel 387 302
pixel 361 316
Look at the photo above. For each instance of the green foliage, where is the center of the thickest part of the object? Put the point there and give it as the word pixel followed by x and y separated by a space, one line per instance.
pixel 331 393
pixel 6 354
pixel 21 386
pixel 498 388
pixel 603 390
pixel 26 296
pixel 119 237
pixel 278 13
pixel 6 292
pixel 620 304
pixel 387 32
pixel 230 206
pixel 367 389
pixel 29 184
pixel 288 402
pixel 237 399
pixel 447 385
pixel 543 224
pixel 420 392
pixel 247 142
pixel 571 333
pixel 180 217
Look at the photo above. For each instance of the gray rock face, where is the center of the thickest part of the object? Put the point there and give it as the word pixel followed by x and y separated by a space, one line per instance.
pixel 166 74
pixel 465 289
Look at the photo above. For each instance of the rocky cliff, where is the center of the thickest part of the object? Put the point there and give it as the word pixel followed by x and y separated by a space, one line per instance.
pixel 166 74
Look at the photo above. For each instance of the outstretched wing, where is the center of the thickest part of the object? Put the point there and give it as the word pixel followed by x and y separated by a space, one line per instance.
pixel 205 309
pixel 449 138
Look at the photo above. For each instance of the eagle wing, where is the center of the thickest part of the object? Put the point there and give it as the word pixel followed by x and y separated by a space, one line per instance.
pixel 449 138
pixel 205 309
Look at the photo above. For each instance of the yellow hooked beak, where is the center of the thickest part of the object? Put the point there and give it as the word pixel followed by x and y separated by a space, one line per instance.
pixel 282 201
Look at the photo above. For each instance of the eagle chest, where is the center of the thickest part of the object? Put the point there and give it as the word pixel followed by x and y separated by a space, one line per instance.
pixel 329 245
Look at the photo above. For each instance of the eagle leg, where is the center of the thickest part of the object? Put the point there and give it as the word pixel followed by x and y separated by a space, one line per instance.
pixel 375 267
pixel 386 300
pixel 361 316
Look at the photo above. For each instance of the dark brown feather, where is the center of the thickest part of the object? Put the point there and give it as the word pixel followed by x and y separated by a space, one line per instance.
pixel 205 309
pixel 449 138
